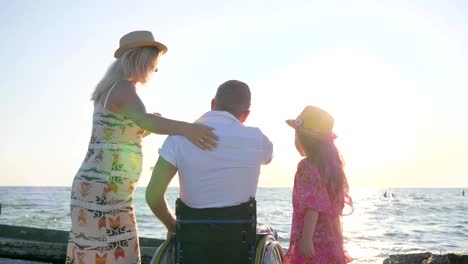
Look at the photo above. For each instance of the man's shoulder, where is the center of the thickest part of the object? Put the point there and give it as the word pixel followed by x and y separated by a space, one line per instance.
pixel 173 140
pixel 256 131
pixel 174 137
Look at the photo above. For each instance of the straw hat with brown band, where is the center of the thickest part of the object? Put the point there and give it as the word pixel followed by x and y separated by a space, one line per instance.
pixel 137 39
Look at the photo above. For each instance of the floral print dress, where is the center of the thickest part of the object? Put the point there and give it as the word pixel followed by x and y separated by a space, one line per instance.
pixel 103 225
pixel 310 192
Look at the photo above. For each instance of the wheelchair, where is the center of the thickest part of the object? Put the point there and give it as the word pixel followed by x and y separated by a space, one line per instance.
pixel 219 235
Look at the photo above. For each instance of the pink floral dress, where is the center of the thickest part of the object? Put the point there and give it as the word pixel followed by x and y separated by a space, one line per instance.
pixel 310 192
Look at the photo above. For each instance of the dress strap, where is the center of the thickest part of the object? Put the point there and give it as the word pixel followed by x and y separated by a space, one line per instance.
pixel 108 93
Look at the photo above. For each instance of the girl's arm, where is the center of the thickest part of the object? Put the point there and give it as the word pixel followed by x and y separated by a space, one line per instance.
pixel 125 100
pixel 306 247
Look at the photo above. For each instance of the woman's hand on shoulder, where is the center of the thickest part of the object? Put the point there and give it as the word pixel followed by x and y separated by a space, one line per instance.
pixel 201 136
pixel 127 101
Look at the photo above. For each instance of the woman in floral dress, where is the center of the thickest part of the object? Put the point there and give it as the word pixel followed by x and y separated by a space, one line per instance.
pixel 320 193
pixel 103 224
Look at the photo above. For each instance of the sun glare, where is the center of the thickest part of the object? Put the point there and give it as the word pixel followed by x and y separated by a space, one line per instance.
pixel 373 119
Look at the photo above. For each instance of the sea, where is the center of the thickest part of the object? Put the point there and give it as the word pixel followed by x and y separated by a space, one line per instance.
pixel 384 221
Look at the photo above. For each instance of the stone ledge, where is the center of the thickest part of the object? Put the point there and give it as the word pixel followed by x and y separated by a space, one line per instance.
pixel 47 251
pixel 427 258
pixel 46 245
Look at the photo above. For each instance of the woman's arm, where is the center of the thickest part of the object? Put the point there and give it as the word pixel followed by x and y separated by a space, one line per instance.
pixel 147 133
pixel 306 247
pixel 125 100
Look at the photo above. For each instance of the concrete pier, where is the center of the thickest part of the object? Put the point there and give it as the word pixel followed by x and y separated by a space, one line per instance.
pixel 49 246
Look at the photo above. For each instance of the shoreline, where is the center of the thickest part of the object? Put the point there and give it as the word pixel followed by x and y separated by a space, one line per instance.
pixel 37 245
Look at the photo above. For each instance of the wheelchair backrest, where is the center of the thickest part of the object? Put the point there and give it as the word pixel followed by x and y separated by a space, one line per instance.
pixel 216 235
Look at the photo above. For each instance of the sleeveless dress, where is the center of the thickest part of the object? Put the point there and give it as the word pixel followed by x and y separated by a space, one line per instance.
pixel 103 224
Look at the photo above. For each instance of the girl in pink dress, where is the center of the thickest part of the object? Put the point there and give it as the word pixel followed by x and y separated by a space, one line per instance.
pixel 320 193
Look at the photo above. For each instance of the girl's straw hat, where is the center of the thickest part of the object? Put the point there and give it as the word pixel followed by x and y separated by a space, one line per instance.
pixel 137 39
pixel 314 121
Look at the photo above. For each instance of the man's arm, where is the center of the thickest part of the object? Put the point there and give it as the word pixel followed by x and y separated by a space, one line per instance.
pixel 267 151
pixel 163 173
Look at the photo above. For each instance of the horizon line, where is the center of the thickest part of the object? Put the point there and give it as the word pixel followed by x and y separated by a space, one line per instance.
pixel 269 187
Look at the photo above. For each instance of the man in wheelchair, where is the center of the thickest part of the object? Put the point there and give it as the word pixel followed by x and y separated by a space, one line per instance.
pixel 215 219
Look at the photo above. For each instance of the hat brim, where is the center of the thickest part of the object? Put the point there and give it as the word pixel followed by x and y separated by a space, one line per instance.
pixel 317 135
pixel 291 123
pixel 162 48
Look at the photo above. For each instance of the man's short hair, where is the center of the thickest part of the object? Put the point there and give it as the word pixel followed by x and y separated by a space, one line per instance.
pixel 234 97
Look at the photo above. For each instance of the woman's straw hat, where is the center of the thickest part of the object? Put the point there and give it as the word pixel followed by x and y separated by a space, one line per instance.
pixel 314 121
pixel 137 39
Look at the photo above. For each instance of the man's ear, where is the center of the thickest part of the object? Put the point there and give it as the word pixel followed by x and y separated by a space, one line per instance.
pixel 244 116
pixel 212 104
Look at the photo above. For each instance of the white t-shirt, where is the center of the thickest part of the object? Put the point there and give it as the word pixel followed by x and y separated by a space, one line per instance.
pixel 225 176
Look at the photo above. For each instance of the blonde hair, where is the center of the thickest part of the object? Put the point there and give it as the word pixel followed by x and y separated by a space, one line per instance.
pixel 135 65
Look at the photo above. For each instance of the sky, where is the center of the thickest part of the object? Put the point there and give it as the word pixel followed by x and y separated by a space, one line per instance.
pixel 394 74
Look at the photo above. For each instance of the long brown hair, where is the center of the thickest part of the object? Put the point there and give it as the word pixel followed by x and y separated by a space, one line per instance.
pixel 329 161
